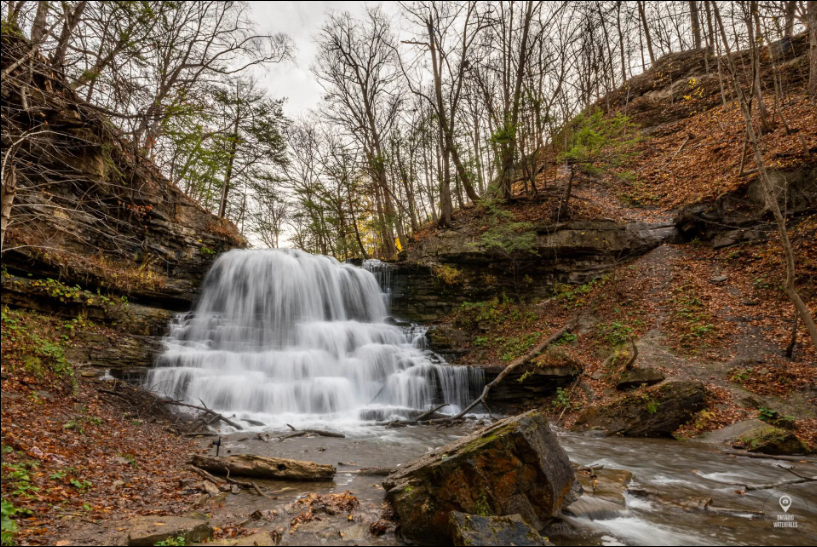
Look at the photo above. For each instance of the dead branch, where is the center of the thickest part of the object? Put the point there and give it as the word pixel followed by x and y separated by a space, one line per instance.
pixel 767 456
pixel 304 432
pixel 569 326
pixel 768 486
pixel 208 411
pixel 414 421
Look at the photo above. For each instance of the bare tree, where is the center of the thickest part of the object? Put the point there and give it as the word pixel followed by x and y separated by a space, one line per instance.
pixel 769 190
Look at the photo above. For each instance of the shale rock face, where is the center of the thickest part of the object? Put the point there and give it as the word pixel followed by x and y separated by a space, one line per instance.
pixel 739 216
pixel 514 466
pixel 656 413
pixel 97 231
pixel 574 252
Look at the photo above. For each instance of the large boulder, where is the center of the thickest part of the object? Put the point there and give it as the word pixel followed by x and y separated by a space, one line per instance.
pixel 514 466
pixel 768 439
pixel 656 412
pixel 493 531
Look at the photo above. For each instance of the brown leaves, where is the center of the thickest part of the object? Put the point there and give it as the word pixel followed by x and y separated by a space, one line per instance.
pixel 330 504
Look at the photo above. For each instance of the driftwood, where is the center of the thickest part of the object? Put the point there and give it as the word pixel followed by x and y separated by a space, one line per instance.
pixel 303 432
pixel 219 481
pixel 768 486
pixel 569 326
pixel 262 467
pixel 372 471
pixel 744 454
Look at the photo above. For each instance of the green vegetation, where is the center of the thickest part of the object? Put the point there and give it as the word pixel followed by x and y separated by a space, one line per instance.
pixel 18 477
pixel 81 485
pixel 574 295
pixel 694 319
pixel 562 399
pixel 594 139
pixel 490 313
pixel 650 404
pixel 178 541
pixel 615 333
pixel 448 274
pixel 7 525
pixel 32 345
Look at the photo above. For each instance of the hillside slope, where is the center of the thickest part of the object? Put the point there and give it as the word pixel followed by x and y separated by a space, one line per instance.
pixel 100 252
pixel 667 244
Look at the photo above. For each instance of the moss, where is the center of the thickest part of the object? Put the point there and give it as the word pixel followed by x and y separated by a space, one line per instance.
pixel 448 274
pixel 773 440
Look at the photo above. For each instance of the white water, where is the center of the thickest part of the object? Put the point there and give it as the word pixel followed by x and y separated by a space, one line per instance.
pixel 285 337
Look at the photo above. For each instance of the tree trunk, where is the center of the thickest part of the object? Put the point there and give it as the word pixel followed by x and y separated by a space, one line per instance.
pixel 788 29
pixel 222 208
pixel 642 12
pixel 621 43
pixel 38 26
pixel 70 21
pixel 768 188
pixel 753 21
pixel 9 191
pixel 812 29
pixel 696 24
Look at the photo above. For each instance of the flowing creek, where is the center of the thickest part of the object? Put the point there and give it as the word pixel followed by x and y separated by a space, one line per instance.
pixel 283 337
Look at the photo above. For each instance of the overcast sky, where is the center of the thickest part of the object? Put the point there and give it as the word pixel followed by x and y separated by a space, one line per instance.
pixel 302 22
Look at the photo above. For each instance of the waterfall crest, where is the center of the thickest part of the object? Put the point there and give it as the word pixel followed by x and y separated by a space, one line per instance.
pixel 285 337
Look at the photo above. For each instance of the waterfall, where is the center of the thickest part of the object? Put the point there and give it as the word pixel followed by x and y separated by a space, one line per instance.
pixel 285 337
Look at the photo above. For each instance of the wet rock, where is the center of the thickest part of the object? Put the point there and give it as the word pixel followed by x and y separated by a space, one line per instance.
pixel 506 530
pixel 639 376
pixel 153 529
pixel 514 466
pixel 772 440
pixel 530 381
pixel 655 413
pixel 732 433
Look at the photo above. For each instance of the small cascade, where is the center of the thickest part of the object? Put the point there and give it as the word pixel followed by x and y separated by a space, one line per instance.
pixel 285 337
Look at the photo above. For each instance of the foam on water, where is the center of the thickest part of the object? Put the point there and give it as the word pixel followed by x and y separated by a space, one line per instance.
pixel 285 337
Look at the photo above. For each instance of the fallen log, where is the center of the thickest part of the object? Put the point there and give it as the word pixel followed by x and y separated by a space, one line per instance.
pixel 304 432
pixel 569 326
pixel 262 467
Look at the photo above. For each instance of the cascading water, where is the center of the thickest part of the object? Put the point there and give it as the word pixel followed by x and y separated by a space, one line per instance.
pixel 285 337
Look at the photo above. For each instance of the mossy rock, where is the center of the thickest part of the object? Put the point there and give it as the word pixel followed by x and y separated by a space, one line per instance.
pixel 656 412
pixel 515 466
pixel 774 441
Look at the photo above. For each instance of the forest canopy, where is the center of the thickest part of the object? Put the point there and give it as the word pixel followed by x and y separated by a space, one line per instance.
pixel 427 107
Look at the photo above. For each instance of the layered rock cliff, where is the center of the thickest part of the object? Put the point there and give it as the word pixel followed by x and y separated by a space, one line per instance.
pixel 96 231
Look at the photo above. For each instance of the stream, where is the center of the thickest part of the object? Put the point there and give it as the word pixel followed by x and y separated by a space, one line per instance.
pixel 281 337
pixel 662 467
